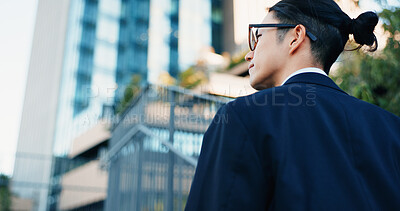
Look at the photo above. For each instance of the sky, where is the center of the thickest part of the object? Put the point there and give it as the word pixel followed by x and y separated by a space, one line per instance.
pixel 17 19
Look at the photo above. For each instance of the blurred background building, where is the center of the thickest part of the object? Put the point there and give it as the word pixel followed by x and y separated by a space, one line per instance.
pixel 85 55
pixel 119 95
pixel 33 163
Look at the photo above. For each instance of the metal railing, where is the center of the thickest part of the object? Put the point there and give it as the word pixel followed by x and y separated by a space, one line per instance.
pixel 154 148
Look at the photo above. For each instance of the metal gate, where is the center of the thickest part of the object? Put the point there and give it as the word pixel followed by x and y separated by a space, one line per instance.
pixel 154 149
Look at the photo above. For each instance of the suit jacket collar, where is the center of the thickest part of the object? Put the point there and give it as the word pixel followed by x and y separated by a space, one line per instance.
pixel 313 78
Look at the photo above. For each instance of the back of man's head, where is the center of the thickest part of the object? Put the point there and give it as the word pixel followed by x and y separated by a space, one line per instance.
pixel 329 24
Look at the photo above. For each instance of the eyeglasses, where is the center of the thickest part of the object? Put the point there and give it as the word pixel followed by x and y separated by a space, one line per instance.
pixel 253 33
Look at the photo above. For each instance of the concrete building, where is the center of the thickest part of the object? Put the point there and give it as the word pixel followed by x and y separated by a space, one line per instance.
pixel 35 143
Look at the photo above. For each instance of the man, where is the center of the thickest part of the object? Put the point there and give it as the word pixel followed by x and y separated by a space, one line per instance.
pixel 300 143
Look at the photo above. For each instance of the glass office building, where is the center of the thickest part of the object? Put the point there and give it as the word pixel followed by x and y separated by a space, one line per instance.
pixel 88 75
pixel 109 41
pixel 88 80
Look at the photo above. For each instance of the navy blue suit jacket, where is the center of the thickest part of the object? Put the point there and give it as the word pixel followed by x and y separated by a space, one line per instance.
pixel 306 145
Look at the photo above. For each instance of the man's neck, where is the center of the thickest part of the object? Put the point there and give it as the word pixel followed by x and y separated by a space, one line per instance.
pixel 289 70
pixel 305 70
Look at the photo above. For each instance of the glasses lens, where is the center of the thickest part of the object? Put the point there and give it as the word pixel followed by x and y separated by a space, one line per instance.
pixel 252 38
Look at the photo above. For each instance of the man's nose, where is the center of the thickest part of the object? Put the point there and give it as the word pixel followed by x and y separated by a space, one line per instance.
pixel 249 56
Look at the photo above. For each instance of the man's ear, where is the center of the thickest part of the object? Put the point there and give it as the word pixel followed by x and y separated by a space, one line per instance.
pixel 297 39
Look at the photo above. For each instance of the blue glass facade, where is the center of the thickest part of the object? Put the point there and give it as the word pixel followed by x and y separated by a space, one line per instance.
pixel 88 75
pixel 90 62
pixel 173 39
pixel 86 50
pixel 133 43
pixel 108 41
pixel 216 24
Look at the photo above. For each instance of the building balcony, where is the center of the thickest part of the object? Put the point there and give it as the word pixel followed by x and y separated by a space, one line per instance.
pixel 154 148
pixel 82 186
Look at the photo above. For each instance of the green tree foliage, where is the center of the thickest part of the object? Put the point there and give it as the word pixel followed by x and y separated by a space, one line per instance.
pixel 192 77
pixel 375 78
pixel 5 194
pixel 237 59
pixel 131 91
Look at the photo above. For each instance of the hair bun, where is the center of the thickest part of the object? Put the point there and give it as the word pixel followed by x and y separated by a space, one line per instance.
pixel 363 28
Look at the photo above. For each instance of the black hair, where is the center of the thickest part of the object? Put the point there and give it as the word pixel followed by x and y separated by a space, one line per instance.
pixel 329 24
